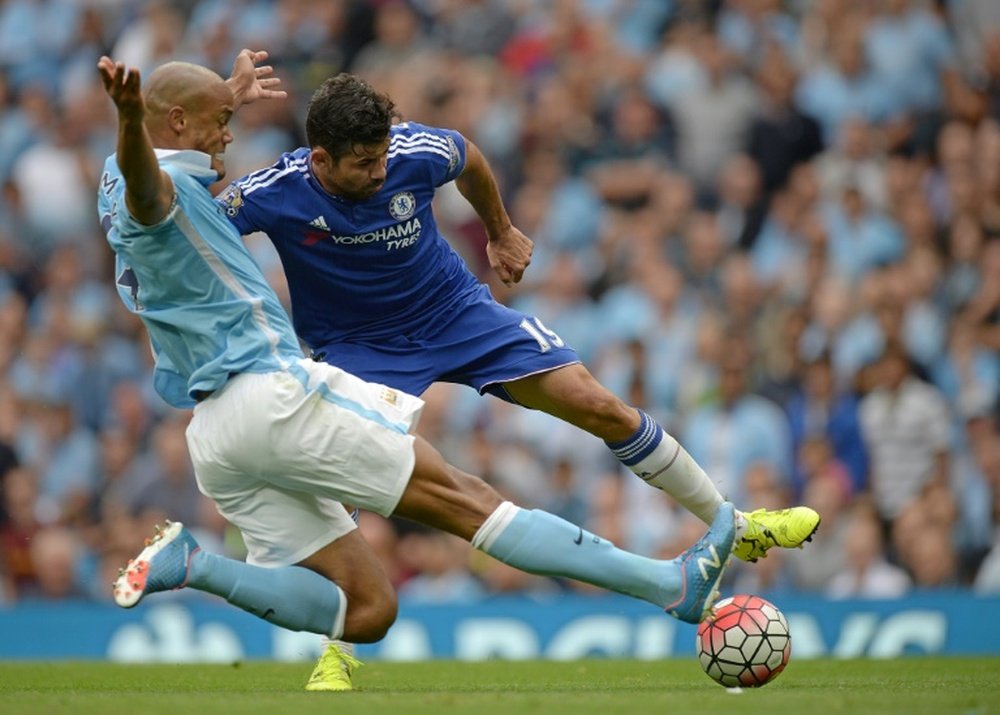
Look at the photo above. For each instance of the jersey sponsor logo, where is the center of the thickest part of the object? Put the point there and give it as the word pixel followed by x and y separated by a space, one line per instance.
pixel 398 235
pixel 402 206
pixel 320 223
pixel 231 200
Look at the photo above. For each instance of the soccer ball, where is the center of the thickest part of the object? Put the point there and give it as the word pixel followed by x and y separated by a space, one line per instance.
pixel 744 642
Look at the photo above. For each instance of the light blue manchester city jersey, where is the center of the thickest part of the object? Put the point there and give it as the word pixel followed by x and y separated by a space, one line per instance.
pixel 209 311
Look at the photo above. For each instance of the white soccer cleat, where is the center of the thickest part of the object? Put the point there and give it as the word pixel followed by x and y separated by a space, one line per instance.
pixel 161 566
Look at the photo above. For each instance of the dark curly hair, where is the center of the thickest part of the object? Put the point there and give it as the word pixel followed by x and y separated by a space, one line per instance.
pixel 345 111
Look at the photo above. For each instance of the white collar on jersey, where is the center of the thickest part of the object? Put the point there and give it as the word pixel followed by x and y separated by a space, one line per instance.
pixel 196 164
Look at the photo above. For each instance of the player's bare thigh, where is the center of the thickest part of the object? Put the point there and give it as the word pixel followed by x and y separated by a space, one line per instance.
pixel 572 394
pixel 444 497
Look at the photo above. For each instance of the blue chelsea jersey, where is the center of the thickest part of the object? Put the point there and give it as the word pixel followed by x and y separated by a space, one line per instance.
pixel 206 305
pixel 375 267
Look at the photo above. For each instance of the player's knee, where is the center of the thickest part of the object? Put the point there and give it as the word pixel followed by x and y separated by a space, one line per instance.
pixel 607 416
pixel 369 620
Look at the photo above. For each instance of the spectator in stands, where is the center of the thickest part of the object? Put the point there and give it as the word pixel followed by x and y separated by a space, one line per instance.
pixel 20 494
pixel 56 553
pixel 827 488
pixel 781 135
pixel 905 424
pixel 399 39
pixel 986 448
pixel 633 150
pixel 713 121
pixel 968 372
pixel 741 204
pixel 439 562
pixel 738 428
pixel 911 54
pixel 779 249
pixel 867 573
pixel 966 238
pixel 63 453
pixel 854 159
pixel 922 538
pixel 824 408
pixel 120 474
pixel 976 484
pixel 859 238
pixel 843 86
pixel 168 484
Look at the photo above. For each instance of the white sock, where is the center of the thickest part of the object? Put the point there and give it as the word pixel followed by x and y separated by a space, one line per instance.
pixel 344 646
pixel 659 459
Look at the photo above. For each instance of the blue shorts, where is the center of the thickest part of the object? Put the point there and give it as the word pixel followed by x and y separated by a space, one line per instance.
pixel 479 343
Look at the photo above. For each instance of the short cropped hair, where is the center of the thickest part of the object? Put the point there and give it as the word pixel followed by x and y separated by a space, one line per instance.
pixel 346 111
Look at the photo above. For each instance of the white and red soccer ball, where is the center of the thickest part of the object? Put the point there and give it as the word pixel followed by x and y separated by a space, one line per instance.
pixel 744 642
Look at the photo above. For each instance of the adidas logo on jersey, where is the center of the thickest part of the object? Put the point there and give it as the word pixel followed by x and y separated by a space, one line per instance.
pixel 320 223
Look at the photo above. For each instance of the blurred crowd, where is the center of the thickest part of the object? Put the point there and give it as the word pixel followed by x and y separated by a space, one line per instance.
pixel 774 225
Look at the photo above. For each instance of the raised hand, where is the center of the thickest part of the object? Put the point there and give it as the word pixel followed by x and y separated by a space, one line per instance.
pixel 250 82
pixel 124 86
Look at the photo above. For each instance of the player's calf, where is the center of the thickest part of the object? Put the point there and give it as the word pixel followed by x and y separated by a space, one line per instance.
pixel 292 597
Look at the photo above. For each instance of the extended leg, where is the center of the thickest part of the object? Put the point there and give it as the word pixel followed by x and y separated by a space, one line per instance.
pixel 574 395
pixel 538 542
pixel 301 598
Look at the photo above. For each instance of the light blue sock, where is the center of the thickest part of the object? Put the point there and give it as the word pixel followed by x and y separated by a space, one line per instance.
pixel 292 597
pixel 542 543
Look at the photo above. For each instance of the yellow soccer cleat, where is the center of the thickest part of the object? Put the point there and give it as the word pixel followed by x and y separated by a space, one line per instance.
pixel 787 528
pixel 333 671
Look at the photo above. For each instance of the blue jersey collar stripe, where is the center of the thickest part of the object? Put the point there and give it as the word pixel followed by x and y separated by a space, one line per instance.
pixel 252 185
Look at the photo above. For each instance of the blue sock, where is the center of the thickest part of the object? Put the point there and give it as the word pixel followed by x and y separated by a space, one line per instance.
pixel 541 543
pixel 292 597
pixel 640 445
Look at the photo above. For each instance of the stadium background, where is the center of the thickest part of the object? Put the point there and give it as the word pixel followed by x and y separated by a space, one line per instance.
pixel 739 208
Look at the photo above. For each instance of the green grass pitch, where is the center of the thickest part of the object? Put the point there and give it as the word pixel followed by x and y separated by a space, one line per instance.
pixel 965 686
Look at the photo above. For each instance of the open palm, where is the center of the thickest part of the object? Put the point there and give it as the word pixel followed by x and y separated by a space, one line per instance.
pixel 251 82
pixel 124 86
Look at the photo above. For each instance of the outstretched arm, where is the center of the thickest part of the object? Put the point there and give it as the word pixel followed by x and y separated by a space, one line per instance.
pixel 250 82
pixel 148 191
pixel 508 249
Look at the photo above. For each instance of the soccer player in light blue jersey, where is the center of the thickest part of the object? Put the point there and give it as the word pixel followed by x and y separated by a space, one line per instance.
pixel 279 441
pixel 377 290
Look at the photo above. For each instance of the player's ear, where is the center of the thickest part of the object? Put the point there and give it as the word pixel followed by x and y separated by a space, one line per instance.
pixel 177 119
pixel 320 156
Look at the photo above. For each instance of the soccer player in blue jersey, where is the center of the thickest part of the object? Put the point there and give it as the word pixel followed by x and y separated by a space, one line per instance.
pixel 376 289
pixel 280 441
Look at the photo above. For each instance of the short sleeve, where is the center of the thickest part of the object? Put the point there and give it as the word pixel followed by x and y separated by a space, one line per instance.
pixel 244 210
pixel 440 151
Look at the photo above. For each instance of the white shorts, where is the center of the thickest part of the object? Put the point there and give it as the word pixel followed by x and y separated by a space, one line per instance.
pixel 278 453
